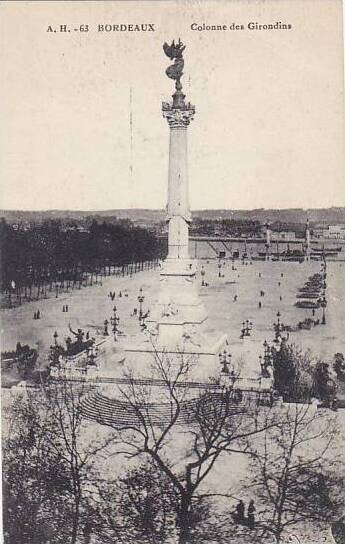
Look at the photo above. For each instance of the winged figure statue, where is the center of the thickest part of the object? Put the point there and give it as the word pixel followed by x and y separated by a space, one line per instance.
pixel 175 52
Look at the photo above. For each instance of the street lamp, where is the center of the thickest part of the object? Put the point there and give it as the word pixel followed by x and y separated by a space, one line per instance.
pixel 249 326
pixel 262 366
pixel 141 299
pixel 219 269
pixel 267 354
pixel 243 330
pixel 246 328
pixel 225 360
pixel 115 320
pixel 278 328
pixel 323 306
pixel 202 276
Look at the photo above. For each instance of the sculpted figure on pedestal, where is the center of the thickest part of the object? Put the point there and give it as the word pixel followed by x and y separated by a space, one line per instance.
pixel 175 71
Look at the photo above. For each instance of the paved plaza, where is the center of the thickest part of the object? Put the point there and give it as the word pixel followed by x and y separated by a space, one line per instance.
pixel 89 307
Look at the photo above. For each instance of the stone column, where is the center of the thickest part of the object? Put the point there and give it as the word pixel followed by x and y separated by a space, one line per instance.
pixel 179 308
pixel 307 241
pixel 268 242
pixel 178 210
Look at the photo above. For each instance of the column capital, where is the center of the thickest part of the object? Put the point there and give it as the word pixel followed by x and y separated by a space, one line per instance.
pixel 178 117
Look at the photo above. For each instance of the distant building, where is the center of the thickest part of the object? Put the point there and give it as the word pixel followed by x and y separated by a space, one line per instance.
pixel 75 228
pixel 284 235
pixel 332 232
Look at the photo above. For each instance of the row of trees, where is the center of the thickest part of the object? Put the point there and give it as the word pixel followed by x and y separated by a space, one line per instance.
pixel 144 478
pixel 49 256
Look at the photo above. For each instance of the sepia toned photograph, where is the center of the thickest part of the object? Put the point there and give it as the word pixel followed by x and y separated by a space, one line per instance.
pixel 172 258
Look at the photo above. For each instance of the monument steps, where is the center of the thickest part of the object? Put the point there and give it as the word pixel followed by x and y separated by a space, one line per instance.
pixel 98 407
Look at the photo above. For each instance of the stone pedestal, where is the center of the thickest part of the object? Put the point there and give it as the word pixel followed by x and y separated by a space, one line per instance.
pixel 200 351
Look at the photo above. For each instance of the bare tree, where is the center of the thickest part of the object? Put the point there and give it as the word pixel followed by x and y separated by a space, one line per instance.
pixel 35 480
pixel 69 435
pixel 138 506
pixel 184 437
pixel 295 472
pixel 49 466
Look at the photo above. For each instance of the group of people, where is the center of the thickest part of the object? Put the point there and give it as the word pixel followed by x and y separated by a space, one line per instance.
pixel 65 308
pixel 240 517
pixel 37 315
pixel 112 295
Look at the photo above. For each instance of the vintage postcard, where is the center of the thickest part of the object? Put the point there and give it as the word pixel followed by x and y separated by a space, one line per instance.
pixel 172 214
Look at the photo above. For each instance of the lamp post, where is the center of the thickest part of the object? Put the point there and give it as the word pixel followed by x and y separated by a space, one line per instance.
pixel 202 276
pixel 323 306
pixel 219 269
pixel 115 320
pixel 249 326
pixel 141 299
pixel 267 354
pixel 91 357
pixel 225 360
pixel 278 321
pixel 246 328
pixel 278 328
pixel 262 366
pixel 243 330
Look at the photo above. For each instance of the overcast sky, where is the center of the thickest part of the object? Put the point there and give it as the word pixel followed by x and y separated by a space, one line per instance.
pixel 269 124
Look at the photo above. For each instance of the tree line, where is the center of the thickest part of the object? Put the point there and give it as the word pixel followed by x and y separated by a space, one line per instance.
pixel 49 257
pixel 144 476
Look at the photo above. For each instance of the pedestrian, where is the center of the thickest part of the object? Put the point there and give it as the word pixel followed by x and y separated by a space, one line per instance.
pixel 120 294
pixel 35 316
pixel 260 305
pixel 251 515
pixel 280 298
pixel 66 309
pixel 63 308
pixel 38 314
pixel 235 298
pixel 239 515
